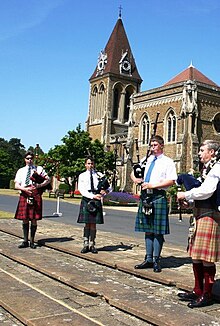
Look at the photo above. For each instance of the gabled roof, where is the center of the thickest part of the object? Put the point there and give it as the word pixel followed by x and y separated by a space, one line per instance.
pixel 116 46
pixel 191 73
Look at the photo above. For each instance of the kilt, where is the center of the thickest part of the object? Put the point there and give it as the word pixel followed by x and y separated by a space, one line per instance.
pixel 206 243
pixel 25 211
pixel 86 217
pixel 157 222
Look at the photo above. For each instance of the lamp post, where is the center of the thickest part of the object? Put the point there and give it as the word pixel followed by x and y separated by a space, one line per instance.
pixel 55 165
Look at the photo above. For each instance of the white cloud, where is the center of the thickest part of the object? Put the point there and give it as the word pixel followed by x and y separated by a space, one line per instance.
pixel 16 16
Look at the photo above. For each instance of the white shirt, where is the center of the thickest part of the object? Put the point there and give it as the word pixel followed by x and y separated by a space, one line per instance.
pixel 164 169
pixel 84 183
pixel 208 187
pixel 22 174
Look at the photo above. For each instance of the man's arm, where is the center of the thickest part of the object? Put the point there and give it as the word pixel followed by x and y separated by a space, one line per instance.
pixel 206 189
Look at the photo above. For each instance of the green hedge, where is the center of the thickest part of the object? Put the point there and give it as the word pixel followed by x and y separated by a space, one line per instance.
pixel 65 187
pixel 12 184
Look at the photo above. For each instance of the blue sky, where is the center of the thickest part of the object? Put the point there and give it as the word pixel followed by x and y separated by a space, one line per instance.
pixel 49 50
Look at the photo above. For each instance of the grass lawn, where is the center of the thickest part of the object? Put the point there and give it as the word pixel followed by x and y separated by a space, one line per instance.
pixel 10 192
pixel 6 214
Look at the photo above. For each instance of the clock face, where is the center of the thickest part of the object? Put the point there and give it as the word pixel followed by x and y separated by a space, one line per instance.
pixel 102 61
pixel 101 65
pixel 126 66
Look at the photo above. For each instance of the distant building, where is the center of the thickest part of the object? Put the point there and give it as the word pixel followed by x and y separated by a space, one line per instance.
pixel 122 117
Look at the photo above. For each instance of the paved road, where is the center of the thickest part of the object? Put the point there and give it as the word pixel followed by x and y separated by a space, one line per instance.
pixel 116 220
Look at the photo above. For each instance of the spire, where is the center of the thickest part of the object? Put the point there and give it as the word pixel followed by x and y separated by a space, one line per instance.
pixel 116 50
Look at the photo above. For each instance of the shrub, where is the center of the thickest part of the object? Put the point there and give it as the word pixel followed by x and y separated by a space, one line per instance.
pixel 12 184
pixel 64 186
pixel 120 199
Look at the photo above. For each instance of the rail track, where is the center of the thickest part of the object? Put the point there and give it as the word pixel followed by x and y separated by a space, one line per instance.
pixel 54 285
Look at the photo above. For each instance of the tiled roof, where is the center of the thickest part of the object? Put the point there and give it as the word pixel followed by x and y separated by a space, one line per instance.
pixel 116 46
pixel 191 73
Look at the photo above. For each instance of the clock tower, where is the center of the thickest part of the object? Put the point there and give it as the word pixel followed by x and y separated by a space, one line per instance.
pixel 112 83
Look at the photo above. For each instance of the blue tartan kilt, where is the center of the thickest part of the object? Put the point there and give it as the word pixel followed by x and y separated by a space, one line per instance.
pixel 157 222
pixel 86 217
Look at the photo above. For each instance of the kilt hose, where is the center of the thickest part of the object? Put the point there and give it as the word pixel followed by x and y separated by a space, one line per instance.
pixel 86 217
pixel 32 212
pixel 206 243
pixel 157 222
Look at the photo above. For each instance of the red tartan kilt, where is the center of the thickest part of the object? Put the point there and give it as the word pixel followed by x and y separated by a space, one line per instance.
pixel 25 211
pixel 206 243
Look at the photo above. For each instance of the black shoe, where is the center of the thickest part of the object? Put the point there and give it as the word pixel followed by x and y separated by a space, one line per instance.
pixel 156 266
pixel 32 245
pixel 187 296
pixel 85 250
pixel 93 250
pixel 145 264
pixel 202 301
pixel 24 244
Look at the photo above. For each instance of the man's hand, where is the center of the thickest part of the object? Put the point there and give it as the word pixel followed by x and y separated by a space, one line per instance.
pixel 98 196
pixel 181 195
pixel 182 200
pixel 138 181
pixel 146 185
pixel 29 190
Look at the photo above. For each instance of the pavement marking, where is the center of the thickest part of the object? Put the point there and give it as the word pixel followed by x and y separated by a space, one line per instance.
pixel 56 300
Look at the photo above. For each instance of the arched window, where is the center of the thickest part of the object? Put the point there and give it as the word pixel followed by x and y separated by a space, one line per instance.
pixel 127 105
pixel 101 102
pixel 115 104
pixel 102 88
pixel 94 104
pixel 216 122
pixel 171 127
pixel 193 128
pixel 145 130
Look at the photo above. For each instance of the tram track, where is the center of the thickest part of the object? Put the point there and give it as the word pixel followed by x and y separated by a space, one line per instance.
pixel 125 298
pixel 15 262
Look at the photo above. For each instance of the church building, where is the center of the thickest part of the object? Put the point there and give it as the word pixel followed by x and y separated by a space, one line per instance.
pixel 122 117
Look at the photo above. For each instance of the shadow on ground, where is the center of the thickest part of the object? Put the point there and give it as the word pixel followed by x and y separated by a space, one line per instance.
pixel 119 247
pixel 174 262
pixel 42 242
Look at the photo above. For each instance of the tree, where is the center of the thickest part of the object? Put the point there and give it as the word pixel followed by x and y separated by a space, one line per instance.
pixel 11 159
pixel 67 160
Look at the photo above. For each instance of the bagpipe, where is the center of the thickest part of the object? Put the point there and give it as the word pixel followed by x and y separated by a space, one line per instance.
pixel 140 168
pixel 39 178
pixel 103 184
pixel 190 182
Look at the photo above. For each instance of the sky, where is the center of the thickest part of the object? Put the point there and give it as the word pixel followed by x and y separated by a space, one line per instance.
pixel 49 50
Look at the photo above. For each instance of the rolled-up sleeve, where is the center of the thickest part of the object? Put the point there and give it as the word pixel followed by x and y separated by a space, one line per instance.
pixel 208 187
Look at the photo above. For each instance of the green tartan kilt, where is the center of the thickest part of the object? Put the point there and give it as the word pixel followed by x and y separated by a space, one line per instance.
pixel 157 222
pixel 86 217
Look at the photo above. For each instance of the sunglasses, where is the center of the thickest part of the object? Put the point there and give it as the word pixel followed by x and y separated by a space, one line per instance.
pixel 28 158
